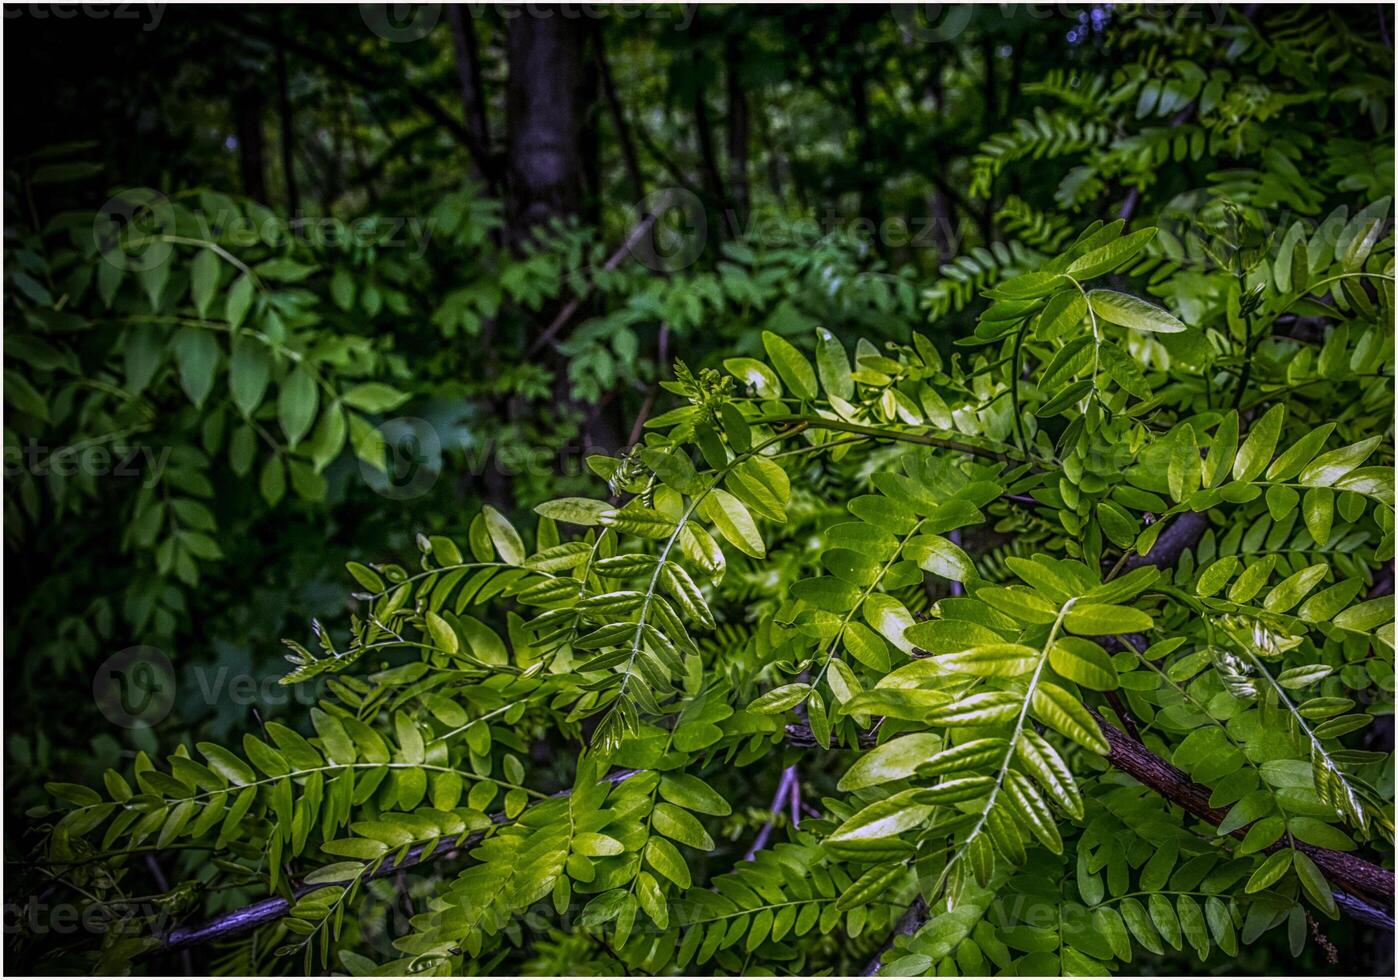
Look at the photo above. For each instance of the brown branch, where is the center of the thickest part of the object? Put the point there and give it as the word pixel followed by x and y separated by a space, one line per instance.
pixel 1183 533
pixel 1364 890
pixel 1355 875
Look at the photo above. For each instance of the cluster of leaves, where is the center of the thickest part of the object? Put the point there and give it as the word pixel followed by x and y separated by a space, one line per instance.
pixel 899 579
pixel 1200 118
pixel 977 778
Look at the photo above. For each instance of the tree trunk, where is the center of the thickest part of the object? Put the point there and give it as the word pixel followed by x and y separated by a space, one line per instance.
pixel 468 69
pixel 738 128
pixel 288 135
pixel 546 106
pixel 866 180
pixel 252 149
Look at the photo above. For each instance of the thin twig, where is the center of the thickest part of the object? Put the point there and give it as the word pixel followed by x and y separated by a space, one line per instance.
pixel 560 321
pixel 788 788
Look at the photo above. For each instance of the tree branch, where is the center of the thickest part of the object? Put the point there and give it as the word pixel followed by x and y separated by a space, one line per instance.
pixel 269 910
pixel 1352 874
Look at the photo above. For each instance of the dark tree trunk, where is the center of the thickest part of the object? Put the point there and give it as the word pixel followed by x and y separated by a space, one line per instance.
pixel 252 148
pixel 468 69
pixel 738 132
pixel 866 180
pixel 288 135
pixel 546 106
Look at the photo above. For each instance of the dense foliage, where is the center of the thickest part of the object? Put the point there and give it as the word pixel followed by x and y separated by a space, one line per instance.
pixel 696 582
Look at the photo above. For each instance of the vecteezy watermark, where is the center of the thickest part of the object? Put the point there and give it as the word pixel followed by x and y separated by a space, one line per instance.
pixel 932 22
pixel 670 228
pixel 138 688
pixel 90 460
pixel 412 459
pixel 135 687
pixel 132 229
pixel 223 685
pixel 403 23
pixel 36 917
pixel 135 230
pixel 377 231
pixel 149 14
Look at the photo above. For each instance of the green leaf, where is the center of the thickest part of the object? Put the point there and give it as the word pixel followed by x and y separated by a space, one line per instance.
pixel 792 365
pixel 1083 662
pixel 238 301
pixel 680 825
pixel 884 818
pixel 940 556
pixel 897 758
pixel 574 510
pixel 249 371
pixel 665 858
pixel 1037 756
pixel 1062 712
pixel 297 403
pixel 1140 925
pixel 1270 871
pixel 693 793
pixel 1329 467
pixel 1130 311
pixel 780 699
pixel 1097 619
pixel 866 646
pixel 990 660
pixel 976 709
pixel 734 522
pixel 197 355
pixel 1111 256
pixel 591 844
pixel 503 535
pixel 443 636
pixel 1256 450
pixel 203 280
pixel 1292 589
pixel 1289 463
pixel 756 375
pixel 374 396
pixel 833 365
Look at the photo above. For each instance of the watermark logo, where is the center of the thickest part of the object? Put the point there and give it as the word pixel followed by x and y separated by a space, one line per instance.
pixel 412 459
pixel 131 229
pixel 669 229
pixel 149 14
pixel 401 23
pixel 135 687
pixel 932 22
pixel 93 459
